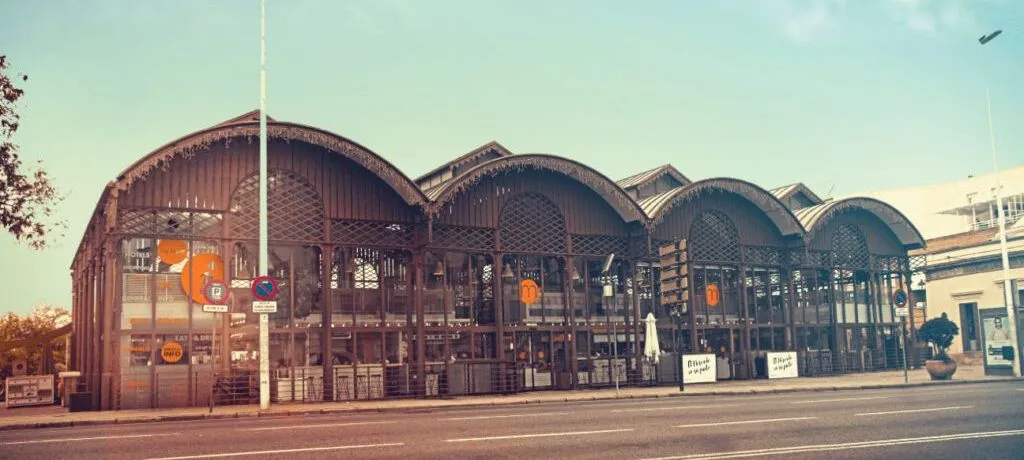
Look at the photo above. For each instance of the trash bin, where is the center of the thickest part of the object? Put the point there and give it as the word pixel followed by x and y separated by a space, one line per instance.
pixel 80 402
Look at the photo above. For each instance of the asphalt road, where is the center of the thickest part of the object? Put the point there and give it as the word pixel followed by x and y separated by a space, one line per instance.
pixel 955 422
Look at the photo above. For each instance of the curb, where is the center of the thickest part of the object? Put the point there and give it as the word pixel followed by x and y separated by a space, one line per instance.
pixel 432 407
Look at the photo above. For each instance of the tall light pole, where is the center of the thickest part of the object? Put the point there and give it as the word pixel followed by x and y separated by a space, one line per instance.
pixel 1011 315
pixel 263 269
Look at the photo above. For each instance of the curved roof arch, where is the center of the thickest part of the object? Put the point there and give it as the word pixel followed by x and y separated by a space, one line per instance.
pixel 658 206
pixel 187 145
pixel 814 217
pixel 606 188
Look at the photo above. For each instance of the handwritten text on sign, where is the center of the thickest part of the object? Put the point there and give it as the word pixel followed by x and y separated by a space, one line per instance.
pixel 699 368
pixel 782 365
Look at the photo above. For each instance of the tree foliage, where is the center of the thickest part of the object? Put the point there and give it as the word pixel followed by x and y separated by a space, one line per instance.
pixel 939 332
pixel 42 320
pixel 27 197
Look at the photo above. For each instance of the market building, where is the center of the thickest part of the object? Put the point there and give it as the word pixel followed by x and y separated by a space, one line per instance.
pixel 489 274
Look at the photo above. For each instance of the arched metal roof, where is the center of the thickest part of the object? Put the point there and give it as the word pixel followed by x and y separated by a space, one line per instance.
pixel 188 144
pixel 606 188
pixel 812 218
pixel 657 206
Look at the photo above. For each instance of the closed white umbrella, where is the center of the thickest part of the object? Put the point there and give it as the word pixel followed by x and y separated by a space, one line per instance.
pixel 651 348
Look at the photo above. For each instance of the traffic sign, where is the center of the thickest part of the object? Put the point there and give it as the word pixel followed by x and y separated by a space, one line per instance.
pixel 264 288
pixel 197 270
pixel 264 306
pixel 899 298
pixel 902 312
pixel 216 292
pixel 215 308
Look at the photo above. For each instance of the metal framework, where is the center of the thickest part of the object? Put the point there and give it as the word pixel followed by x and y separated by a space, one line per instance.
pixel 490 282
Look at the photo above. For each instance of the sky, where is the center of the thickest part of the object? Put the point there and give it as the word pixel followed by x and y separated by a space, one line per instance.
pixel 846 96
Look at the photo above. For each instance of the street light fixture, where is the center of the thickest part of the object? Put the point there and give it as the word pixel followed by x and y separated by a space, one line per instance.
pixel 1011 315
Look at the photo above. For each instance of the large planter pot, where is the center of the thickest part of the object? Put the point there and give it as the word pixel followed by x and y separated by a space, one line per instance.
pixel 940 370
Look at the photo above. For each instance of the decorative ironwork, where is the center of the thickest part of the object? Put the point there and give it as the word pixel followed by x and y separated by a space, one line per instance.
pixel 598 245
pixel 169 222
pixel 713 238
pixel 820 259
pixel 762 255
pixel 459 237
pixel 371 233
pixel 532 223
pixel 849 248
pixel 294 209
pixel 918 263
pixel 797 258
pixel 887 263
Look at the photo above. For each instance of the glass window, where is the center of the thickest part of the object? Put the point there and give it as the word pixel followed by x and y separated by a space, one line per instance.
pixel 137 350
pixel 202 349
pixel 595 299
pixel 553 290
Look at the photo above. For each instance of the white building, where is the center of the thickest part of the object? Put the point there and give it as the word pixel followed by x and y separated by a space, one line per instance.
pixel 962 260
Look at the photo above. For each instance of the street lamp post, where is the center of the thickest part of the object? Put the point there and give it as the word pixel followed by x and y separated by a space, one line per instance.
pixel 263 269
pixel 1011 315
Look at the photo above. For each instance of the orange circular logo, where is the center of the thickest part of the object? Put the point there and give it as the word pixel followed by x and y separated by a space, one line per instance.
pixel 172 252
pixel 528 291
pixel 198 271
pixel 172 352
pixel 713 295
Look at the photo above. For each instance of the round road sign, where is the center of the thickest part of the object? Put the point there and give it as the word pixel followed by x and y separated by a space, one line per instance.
pixel 264 288
pixel 216 292
pixel 899 298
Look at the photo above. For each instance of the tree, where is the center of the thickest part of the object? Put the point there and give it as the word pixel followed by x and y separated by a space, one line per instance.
pixel 939 332
pixel 43 319
pixel 27 198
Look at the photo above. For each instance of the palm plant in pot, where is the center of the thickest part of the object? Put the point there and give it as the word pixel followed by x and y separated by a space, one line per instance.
pixel 939 333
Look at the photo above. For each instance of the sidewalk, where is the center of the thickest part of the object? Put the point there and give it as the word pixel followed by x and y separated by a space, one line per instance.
pixel 51 416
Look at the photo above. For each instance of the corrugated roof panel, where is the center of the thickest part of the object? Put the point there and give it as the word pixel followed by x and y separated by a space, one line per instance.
pixel 639 178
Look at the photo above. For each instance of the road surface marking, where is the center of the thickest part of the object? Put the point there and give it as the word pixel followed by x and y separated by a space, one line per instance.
pixel 91 438
pixel 913 411
pixel 744 422
pixel 323 425
pixel 539 435
pixel 843 446
pixel 673 408
pixel 483 417
pixel 815 401
pixel 281 451
pixel 1020 389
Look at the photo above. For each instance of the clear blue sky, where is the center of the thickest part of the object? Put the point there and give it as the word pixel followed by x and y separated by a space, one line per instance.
pixel 845 96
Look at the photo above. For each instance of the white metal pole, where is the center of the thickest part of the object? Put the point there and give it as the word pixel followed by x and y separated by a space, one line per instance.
pixel 264 319
pixel 1011 315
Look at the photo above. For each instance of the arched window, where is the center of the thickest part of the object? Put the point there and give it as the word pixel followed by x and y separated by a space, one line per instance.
pixel 850 247
pixel 295 211
pixel 713 238
pixel 531 223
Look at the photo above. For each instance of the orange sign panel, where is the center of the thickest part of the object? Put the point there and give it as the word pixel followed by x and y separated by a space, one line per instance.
pixel 171 252
pixel 172 352
pixel 713 295
pixel 198 271
pixel 529 293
